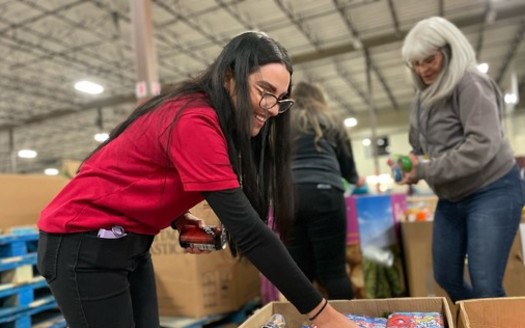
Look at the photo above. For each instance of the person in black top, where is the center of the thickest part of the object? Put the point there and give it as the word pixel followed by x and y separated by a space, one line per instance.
pixel 322 157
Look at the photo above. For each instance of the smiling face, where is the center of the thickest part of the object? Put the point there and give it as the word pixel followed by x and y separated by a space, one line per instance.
pixel 267 86
pixel 429 68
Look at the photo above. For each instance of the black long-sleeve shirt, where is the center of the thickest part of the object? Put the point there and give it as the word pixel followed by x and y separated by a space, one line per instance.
pixel 326 163
pixel 257 242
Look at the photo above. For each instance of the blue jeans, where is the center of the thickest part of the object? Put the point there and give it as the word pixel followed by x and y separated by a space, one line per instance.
pixel 481 227
pixel 100 283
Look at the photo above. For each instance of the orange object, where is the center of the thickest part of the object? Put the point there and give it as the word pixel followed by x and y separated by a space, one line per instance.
pixel 421 215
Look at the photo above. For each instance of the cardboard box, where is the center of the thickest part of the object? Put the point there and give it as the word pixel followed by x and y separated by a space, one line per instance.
pixel 200 285
pixel 417 246
pixel 22 197
pixel 417 250
pixel 522 239
pixel 69 168
pixel 376 308
pixel 506 312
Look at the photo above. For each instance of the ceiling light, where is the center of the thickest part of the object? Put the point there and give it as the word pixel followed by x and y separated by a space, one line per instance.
pixel 51 171
pixel 511 99
pixel 483 67
pixel 27 153
pixel 366 142
pixel 350 122
pixel 101 137
pixel 89 87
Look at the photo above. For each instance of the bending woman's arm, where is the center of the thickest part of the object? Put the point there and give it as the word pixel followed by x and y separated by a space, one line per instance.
pixel 262 247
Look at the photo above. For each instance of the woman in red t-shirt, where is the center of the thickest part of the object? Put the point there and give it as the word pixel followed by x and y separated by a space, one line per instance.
pixel 223 137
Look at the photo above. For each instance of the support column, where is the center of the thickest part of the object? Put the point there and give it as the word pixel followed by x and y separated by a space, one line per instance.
pixel 373 118
pixel 147 84
pixel 12 150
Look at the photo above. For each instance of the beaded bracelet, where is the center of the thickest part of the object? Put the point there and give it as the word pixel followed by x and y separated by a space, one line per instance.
pixel 319 312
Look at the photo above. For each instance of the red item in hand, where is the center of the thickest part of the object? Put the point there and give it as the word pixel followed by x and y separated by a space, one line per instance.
pixel 209 238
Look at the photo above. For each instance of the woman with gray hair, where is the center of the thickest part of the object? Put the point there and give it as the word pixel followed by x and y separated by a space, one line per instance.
pixel 455 123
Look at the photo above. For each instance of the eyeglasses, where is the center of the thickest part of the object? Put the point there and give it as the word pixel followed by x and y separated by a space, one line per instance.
pixel 268 101
pixel 424 62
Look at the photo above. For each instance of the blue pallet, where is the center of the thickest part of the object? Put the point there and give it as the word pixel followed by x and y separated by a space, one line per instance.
pixel 16 244
pixel 14 262
pixel 29 303
pixel 24 292
pixel 21 317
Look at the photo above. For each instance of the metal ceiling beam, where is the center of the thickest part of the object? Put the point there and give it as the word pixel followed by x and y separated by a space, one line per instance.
pixel 191 22
pixel 38 17
pixel 228 7
pixel 481 32
pixel 511 53
pixel 298 22
pixel 345 105
pixel 517 11
pixel 74 24
pixel 382 80
pixel 106 102
pixel 345 75
pixel 393 13
pixel 355 33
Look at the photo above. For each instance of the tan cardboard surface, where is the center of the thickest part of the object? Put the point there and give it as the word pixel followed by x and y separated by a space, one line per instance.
pixel 376 307
pixel 199 285
pixel 522 237
pixel 492 313
pixel 417 243
pixel 22 197
pixel 514 279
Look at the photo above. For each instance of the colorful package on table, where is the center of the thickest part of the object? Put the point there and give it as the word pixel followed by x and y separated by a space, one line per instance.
pixel 415 320
pixel 364 321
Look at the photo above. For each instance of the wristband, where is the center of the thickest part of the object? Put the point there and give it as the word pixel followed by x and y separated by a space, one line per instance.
pixel 319 312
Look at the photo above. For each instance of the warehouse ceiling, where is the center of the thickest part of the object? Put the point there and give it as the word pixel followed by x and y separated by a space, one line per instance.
pixel 48 45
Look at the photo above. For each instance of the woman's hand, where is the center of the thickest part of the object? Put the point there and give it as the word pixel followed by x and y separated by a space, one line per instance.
pixel 410 177
pixel 189 219
pixel 330 318
pixel 361 181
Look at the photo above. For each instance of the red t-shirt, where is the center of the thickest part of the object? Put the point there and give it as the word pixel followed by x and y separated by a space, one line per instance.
pixel 149 175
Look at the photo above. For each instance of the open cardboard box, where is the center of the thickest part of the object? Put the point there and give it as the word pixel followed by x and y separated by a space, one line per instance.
pixel 375 307
pixel 504 312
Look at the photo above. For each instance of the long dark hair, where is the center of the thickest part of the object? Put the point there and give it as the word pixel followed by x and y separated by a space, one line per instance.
pixel 262 162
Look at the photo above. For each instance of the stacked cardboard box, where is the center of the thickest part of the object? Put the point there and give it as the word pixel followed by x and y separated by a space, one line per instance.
pixel 22 198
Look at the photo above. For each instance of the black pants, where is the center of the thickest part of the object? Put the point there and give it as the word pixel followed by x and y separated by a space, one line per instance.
pixel 318 238
pixel 100 283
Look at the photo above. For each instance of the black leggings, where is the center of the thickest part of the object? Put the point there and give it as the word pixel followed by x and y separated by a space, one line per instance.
pixel 318 238
pixel 100 283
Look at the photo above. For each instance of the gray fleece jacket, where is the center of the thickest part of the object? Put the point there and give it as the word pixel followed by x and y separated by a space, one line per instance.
pixel 463 138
